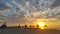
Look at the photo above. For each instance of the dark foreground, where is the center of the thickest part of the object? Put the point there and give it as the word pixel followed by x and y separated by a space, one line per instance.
pixel 27 31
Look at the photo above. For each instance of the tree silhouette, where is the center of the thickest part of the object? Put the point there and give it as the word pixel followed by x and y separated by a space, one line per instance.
pixel 33 26
pixel 19 26
pixel 30 26
pixel 45 25
pixel 37 25
pixel 25 26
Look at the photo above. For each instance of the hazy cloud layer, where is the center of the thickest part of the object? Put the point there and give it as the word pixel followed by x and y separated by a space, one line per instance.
pixel 20 11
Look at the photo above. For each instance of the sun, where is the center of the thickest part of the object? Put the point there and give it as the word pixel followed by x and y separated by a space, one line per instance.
pixel 41 25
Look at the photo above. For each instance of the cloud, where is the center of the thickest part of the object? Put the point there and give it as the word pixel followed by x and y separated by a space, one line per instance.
pixel 4 6
pixel 27 14
pixel 13 2
pixel 9 5
pixel 56 3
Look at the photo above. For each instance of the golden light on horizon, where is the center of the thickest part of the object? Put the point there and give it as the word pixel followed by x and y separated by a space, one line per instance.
pixel 41 25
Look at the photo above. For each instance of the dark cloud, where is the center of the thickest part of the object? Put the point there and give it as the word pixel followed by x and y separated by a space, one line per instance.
pixel 4 6
pixel 56 3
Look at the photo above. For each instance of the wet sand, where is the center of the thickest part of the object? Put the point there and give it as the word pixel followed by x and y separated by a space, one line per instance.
pixel 27 31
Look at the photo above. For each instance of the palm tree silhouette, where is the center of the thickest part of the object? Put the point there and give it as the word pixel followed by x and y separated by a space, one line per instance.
pixel 19 26
pixel 25 26
pixel 37 26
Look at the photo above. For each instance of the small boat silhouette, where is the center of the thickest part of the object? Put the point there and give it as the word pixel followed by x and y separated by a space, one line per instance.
pixel 3 25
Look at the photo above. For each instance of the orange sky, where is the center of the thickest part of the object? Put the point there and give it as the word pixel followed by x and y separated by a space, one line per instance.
pixel 53 25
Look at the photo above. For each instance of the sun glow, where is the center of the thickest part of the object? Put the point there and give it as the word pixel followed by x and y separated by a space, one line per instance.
pixel 41 25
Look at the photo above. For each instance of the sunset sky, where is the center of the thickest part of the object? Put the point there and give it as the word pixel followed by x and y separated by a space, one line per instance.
pixel 16 12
